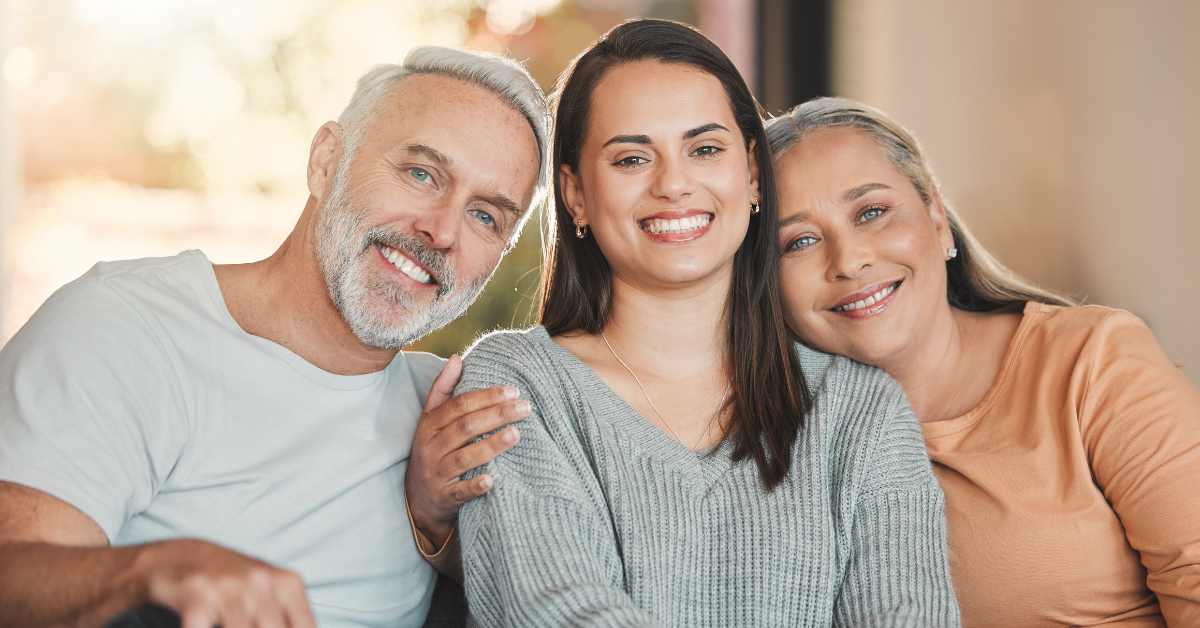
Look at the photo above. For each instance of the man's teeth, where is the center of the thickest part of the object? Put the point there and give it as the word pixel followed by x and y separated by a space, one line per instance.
pixel 676 225
pixel 871 300
pixel 405 265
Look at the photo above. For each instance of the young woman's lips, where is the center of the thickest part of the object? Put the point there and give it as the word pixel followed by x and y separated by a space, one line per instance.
pixel 682 225
pixel 867 303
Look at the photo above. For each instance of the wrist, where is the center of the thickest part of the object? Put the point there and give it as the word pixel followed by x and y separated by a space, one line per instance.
pixel 435 534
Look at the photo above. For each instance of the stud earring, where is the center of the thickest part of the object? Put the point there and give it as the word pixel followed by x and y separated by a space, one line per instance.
pixel 754 206
pixel 951 254
pixel 580 229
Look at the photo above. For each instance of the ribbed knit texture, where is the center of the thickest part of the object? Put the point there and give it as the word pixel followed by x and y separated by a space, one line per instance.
pixel 598 518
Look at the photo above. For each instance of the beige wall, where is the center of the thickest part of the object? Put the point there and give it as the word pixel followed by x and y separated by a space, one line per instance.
pixel 1066 132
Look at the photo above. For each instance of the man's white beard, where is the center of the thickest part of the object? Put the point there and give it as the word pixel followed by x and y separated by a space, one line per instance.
pixel 379 311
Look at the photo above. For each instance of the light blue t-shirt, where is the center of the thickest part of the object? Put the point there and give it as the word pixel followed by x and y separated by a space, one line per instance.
pixel 133 395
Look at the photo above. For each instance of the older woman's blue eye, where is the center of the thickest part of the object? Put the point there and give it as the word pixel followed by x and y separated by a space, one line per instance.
pixel 803 242
pixel 872 214
pixel 420 174
pixel 484 217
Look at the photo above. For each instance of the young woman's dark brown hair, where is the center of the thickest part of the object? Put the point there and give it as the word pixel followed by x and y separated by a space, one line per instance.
pixel 768 398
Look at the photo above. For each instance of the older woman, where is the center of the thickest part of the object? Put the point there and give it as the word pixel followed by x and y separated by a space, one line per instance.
pixel 675 469
pixel 1067 444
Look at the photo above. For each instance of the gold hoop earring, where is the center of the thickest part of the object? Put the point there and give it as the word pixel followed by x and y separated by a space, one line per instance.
pixel 754 207
pixel 580 230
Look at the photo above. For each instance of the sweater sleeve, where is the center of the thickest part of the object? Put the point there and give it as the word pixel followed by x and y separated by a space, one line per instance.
pixel 1140 421
pixel 539 548
pixel 899 572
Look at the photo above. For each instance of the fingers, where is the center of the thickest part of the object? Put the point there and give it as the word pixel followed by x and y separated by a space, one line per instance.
pixel 449 411
pixel 470 426
pixel 463 491
pixel 443 385
pixel 477 454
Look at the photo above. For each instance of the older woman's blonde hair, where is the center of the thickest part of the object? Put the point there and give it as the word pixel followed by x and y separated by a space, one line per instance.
pixel 975 281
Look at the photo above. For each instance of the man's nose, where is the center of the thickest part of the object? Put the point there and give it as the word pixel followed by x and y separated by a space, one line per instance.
pixel 439 225
pixel 849 255
pixel 672 182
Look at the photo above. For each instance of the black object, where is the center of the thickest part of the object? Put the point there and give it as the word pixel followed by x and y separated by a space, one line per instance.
pixel 794 52
pixel 149 616
pixel 449 606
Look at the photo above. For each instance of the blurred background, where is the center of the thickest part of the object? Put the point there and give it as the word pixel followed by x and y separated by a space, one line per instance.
pixel 1064 131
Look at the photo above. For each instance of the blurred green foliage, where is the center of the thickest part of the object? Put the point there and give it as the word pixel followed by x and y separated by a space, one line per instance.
pixel 508 302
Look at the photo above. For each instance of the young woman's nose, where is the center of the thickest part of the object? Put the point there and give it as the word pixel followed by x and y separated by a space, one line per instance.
pixel 672 182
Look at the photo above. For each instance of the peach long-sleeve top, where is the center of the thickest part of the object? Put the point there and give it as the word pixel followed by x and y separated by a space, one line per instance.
pixel 1073 488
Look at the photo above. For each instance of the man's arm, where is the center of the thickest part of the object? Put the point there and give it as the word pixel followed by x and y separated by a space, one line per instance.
pixel 56 569
pixel 443 450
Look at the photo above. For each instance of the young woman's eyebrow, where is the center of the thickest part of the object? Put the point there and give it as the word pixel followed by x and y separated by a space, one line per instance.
pixel 705 128
pixel 629 139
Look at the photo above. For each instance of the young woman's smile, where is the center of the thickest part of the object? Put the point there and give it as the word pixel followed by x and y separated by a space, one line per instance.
pixel 665 179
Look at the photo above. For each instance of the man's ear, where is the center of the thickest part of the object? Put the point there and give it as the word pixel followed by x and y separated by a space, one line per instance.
pixel 937 212
pixel 752 167
pixel 572 192
pixel 323 157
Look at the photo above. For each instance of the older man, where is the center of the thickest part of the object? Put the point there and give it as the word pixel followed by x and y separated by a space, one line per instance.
pixel 232 441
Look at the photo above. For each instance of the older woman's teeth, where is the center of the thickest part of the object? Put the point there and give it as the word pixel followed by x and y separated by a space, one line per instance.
pixel 869 301
pixel 405 265
pixel 676 225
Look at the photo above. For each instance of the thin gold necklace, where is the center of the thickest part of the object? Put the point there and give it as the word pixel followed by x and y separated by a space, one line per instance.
pixel 651 402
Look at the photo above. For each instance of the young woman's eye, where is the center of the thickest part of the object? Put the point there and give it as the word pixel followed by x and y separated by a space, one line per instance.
pixel 872 213
pixel 484 217
pixel 802 242
pixel 420 174
pixel 707 150
pixel 632 160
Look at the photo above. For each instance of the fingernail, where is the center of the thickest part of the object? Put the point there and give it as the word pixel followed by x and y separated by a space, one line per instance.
pixel 523 407
pixel 511 435
pixel 511 393
pixel 485 482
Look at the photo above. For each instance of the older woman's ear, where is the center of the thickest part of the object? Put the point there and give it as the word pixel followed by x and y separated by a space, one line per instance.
pixel 937 211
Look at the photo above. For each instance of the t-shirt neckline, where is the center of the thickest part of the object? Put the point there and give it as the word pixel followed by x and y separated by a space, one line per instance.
pixel 1029 314
pixel 307 369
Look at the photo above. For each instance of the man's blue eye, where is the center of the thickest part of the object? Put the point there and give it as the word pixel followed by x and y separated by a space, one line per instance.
pixel 484 217
pixel 420 174
pixel 803 242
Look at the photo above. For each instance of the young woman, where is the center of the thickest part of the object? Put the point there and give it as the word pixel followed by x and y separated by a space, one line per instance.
pixel 1067 444
pixel 676 468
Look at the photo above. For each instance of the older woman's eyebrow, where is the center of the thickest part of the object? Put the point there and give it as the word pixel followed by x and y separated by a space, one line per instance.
pixel 853 194
pixel 801 217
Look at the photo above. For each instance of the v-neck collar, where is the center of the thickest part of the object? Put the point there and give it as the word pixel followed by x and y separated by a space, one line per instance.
pixel 702 467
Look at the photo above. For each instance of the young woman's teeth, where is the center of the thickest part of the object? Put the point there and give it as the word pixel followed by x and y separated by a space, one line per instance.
pixel 869 301
pixel 405 265
pixel 676 225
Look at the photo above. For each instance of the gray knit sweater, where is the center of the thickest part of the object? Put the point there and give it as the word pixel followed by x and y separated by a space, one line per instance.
pixel 598 518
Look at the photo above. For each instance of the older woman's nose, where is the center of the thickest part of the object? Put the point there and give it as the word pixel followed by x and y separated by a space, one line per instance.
pixel 848 256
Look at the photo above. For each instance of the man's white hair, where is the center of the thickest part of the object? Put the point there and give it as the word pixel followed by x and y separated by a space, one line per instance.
pixel 495 73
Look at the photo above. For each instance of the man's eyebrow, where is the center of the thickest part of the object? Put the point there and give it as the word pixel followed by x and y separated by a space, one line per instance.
pixel 854 194
pixel 801 217
pixel 711 126
pixel 629 139
pixel 505 203
pixel 428 151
